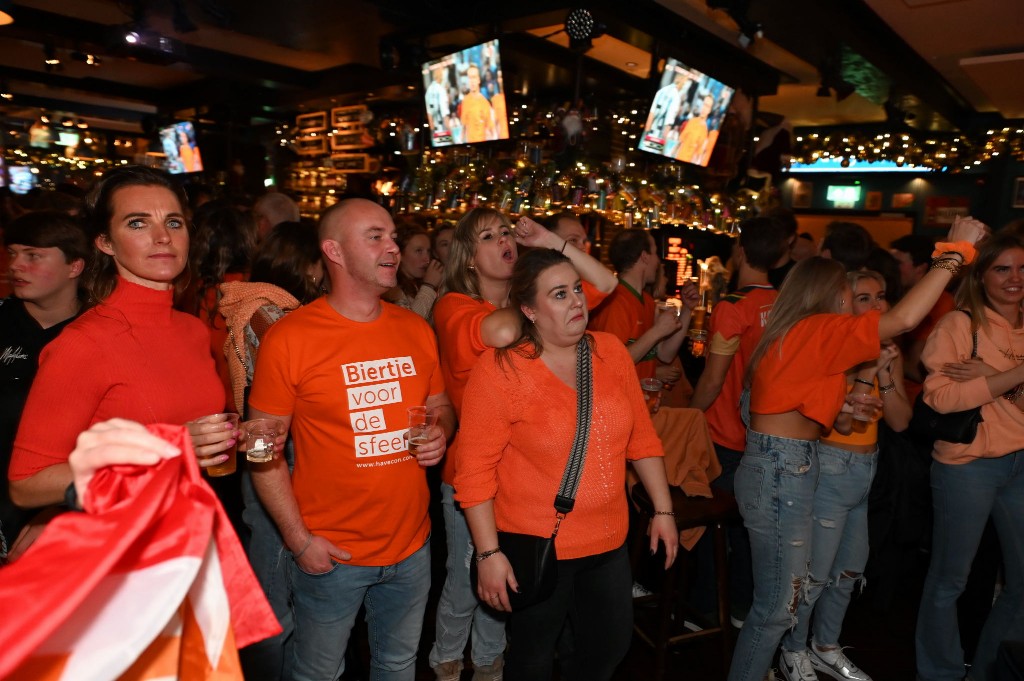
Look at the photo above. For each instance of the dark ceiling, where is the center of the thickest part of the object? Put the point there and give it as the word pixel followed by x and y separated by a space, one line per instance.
pixel 256 61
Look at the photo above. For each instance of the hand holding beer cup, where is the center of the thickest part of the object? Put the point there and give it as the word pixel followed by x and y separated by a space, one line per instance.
pixel 426 438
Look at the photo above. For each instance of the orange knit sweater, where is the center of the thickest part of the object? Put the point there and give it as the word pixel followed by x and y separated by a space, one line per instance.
pixel 518 423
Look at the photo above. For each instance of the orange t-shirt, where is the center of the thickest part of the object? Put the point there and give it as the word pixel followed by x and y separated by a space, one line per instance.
pixel 691 140
pixel 347 386
pixel 806 370
pixel 457 321
pixel 628 315
pixel 736 324
pixel 521 420
pixel 477 117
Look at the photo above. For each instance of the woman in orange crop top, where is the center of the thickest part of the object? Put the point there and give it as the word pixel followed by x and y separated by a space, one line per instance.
pixel 471 316
pixel 798 387
pixel 839 543
pixel 521 415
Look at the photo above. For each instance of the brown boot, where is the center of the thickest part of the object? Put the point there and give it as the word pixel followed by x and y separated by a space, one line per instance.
pixel 449 671
pixel 492 672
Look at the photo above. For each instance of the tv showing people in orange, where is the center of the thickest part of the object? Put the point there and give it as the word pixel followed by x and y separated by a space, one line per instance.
pixel 180 148
pixel 464 94
pixel 686 114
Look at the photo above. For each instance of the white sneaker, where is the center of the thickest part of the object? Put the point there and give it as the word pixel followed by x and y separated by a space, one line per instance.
pixel 836 664
pixel 796 666
pixel 639 590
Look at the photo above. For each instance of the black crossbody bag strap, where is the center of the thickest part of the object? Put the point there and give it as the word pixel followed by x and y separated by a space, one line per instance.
pixel 566 497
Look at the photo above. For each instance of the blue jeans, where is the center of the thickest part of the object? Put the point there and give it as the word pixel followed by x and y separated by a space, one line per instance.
pixel 775 490
pixel 266 660
pixel 459 610
pixel 839 544
pixel 963 497
pixel 326 606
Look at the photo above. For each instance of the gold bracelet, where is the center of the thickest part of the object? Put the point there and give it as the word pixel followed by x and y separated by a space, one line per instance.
pixel 948 264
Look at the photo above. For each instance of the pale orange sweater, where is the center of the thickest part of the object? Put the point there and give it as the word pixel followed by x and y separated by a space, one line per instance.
pixel 518 424
pixel 1002 347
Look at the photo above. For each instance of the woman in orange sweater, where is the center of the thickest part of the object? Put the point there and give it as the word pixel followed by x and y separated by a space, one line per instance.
pixel 798 386
pixel 473 315
pixel 971 482
pixel 520 415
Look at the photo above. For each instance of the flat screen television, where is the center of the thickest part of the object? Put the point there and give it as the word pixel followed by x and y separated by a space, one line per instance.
pixel 686 114
pixel 464 94
pixel 180 148
pixel 67 139
pixel 23 179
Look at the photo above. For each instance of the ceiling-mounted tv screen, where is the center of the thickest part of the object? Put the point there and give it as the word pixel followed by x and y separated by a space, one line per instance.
pixel 464 95
pixel 686 114
pixel 180 148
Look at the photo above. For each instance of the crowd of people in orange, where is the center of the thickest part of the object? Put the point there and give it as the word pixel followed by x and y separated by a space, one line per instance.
pixel 521 354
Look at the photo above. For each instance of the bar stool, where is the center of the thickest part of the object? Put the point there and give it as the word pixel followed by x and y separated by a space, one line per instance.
pixel 667 630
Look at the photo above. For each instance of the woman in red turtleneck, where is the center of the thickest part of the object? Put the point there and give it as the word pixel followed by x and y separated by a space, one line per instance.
pixel 131 355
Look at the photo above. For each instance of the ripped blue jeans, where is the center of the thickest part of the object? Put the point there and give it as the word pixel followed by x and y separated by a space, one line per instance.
pixel 775 491
pixel 839 544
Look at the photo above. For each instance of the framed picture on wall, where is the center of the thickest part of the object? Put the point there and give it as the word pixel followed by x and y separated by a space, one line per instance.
pixel 1018 193
pixel 903 200
pixel 802 194
pixel 873 201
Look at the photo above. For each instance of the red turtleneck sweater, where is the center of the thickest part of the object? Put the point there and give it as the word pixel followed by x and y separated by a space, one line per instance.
pixel 133 357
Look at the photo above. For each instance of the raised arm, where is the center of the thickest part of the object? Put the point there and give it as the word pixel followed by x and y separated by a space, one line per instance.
pixel 913 307
pixel 529 233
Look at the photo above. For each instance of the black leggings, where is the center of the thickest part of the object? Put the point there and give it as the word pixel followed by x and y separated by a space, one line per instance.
pixel 594 599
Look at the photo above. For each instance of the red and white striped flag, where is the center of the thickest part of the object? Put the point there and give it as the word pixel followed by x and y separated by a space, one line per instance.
pixel 151 584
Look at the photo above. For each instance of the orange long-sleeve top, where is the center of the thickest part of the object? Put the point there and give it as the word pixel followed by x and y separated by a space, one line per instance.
pixel 1002 347
pixel 518 424
pixel 458 319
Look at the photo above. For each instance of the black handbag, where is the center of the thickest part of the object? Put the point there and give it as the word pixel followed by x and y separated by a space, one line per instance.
pixel 533 559
pixel 958 426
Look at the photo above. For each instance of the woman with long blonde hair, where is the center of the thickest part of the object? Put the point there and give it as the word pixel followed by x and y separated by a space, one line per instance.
pixel 797 380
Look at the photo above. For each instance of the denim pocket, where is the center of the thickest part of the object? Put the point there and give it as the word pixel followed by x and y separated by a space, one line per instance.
pixel 334 566
pixel 795 464
pixel 832 464
pixel 749 486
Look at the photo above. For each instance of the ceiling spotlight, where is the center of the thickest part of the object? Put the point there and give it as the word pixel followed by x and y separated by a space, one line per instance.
pixel 582 28
pixel 5 93
pixel 182 22
pixel 86 58
pixel 83 125
pixel 132 37
pixel 6 12
pixel 44 119
pixel 68 122
pixel 50 58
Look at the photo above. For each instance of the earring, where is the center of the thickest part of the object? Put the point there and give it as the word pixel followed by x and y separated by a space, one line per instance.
pixel 471 268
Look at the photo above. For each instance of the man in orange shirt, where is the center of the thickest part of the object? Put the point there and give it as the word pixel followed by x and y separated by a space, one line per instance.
pixel 735 327
pixel 630 312
pixel 475 111
pixel 341 373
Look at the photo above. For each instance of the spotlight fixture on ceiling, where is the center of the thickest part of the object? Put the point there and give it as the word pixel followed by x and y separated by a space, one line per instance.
pixel 5 91
pixel 582 28
pixel 181 20
pixel 6 12
pixel 738 11
pixel 86 58
pixel 50 59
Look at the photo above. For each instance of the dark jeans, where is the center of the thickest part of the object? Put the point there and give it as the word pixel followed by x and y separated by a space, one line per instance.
pixel 741 575
pixel 594 595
